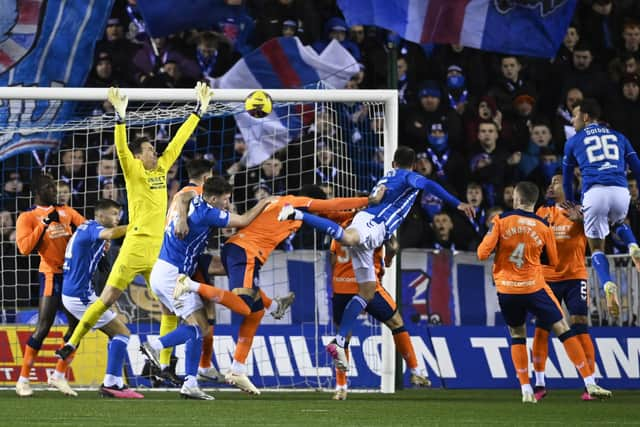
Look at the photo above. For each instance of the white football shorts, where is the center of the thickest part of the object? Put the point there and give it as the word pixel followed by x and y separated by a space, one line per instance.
pixel 163 282
pixel 77 307
pixel 371 237
pixel 604 205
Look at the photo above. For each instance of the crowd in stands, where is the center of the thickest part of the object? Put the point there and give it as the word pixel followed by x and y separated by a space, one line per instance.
pixel 478 121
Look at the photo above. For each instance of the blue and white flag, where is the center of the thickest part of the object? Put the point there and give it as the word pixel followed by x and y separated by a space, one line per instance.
pixel 47 44
pixel 284 63
pixel 519 27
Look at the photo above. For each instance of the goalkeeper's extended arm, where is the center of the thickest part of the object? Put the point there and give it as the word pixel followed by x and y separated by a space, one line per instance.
pixel 119 102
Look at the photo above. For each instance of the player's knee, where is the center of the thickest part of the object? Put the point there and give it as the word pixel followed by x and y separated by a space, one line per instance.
pixel 395 323
pixel 351 237
pixel 560 328
pixel 518 331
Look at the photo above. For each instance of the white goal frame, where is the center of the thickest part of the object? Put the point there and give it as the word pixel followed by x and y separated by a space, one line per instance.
pixel 388 97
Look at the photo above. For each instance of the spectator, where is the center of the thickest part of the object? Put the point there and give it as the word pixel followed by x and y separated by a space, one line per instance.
pixel 468 59
pixel 336 29
pixel 624 64
pixel 272 15
pixel 446 237
pixel 507 197
pixel 119 49
pixel 487 110
pixel 103 75
pixel 562 127
pixel 624 111
pixel 634 205
pixel 238 156
pixel 15 197
pixel 475 198
pixel 457 92
pixel 406 83
pixel 531 156
pixel 510 84
pixel 170 76
pixel 107 168
pixel 448 164
pixel 585 75
pixel 73 170
pixel 523 107
pixel 109 190
pixel 492 212
pixel 600 19
pixel 7 227
pixel 239 29
pixel 290 28
pixel 273 177
pixel 571 38
pixel 146 64
pixel 64 193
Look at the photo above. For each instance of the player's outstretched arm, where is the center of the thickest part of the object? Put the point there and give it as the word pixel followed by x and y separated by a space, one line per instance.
pixel 119 101
pixel 240 221
pixel 180 225
pixel 391 248
pixel 173 150
pixel 568 163
pixel 490 240
pixel 113 232
pixel 420 182
pixel 632 160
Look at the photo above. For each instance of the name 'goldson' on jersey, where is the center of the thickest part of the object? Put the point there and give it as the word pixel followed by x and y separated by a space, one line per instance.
pixel 183 253
pixel 402 188
pixel 81 258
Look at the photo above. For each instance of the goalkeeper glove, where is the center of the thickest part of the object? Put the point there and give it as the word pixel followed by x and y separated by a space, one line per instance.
pixel 203 95
pixel 119 102
pixel 52 217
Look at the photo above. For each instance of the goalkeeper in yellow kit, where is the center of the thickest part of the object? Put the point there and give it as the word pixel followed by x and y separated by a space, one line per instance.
pixel 145 177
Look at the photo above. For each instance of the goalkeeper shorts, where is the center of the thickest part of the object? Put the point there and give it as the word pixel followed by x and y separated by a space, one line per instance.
pixel 134 258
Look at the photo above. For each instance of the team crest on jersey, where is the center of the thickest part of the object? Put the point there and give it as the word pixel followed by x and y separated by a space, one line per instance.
pixel 19 28
pixel 545 6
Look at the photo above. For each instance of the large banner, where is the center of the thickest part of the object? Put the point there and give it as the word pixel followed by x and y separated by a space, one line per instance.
pixel 45 43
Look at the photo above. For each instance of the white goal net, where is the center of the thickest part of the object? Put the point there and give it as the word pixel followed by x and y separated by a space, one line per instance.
pixel 342 140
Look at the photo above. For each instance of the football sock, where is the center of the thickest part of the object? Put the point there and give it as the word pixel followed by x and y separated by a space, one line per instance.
pixel 180 335
pixel 341 376
pixel 207 350
pixel 247 331
pixel 88 321
pixel 601 265
pixel 63 365
pixel 116 355
pixel 230 300
pixel 540 352
pixel 520 359
pixel 625 234
pixel 168 322
pixel 267 302
pixel 351 312
pixel 403 344
pixel 576 354
pixel 322 224
pixel 192 356
pixel 582 333
pixel 30 354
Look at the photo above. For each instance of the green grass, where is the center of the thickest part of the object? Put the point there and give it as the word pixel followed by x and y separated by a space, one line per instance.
pixel 405 408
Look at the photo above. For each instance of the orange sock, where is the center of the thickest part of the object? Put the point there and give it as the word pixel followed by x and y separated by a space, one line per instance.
pixel 207 350
pixel 230 300
pixel 540 349
pixel 404 346
pixel 265 299
pixel 520 360
pixel 247 331
pixel 30 354
pixel 589 350
pixel 576 354
pixel 341 376
pixel 63 365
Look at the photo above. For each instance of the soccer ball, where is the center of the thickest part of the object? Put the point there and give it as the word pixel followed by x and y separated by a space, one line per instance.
pixel 258 104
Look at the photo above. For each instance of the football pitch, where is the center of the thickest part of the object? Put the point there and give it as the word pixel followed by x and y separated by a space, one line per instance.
pixel 405 408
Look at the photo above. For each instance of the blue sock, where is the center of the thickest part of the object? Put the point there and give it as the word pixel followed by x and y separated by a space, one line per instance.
pixel 601 265
pixel 625 234
pixel 351 312
pixel 180 335
pixel 323 225
pixel 192 356
pixel 116 355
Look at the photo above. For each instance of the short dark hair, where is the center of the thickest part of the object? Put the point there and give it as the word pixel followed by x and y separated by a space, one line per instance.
pixel 216 186
pixel 404 156
pixel 39 181
pixel 582 46
pixel 591 107
pixel 510 56
pixel 528 192
pixel 198 167
pixel 313 191
pixel 488 122
pixel 135 146
pixel 104 204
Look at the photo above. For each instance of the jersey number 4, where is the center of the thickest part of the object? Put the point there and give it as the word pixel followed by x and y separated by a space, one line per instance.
pixel 602 147
pixel 517 256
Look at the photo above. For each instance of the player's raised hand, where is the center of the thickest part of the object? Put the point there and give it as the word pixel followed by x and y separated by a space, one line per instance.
pixel 119 102
pixel 203 95
pixel 572 211
pixel 468 210
pixel 611 294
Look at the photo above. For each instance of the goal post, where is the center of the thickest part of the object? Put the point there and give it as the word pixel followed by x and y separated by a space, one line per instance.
pixel 159 110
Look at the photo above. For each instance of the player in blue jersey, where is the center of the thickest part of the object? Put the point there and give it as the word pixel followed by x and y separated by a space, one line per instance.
pixel 178 260
pixel 87 245
pixel 602 155
pixel 390 202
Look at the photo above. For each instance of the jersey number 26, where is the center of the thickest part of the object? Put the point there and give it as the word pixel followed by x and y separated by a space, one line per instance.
pixel 602 147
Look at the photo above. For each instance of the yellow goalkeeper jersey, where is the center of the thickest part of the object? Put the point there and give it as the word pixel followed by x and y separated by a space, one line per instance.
pixel 147 189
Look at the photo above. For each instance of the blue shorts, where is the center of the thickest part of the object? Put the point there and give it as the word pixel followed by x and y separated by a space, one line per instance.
pixel 542 304
pixel 243 272
pixel 381 307
pixel 574 293
pixel 50 284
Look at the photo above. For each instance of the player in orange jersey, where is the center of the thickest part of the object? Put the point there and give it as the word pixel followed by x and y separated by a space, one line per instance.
pixel 46 228
pixel 521 240
pixel 382 307
pixel 245 253
pixel 568 280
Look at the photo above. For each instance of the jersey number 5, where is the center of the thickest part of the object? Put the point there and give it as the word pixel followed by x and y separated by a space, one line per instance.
pixel 517 256
pixel 602 147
